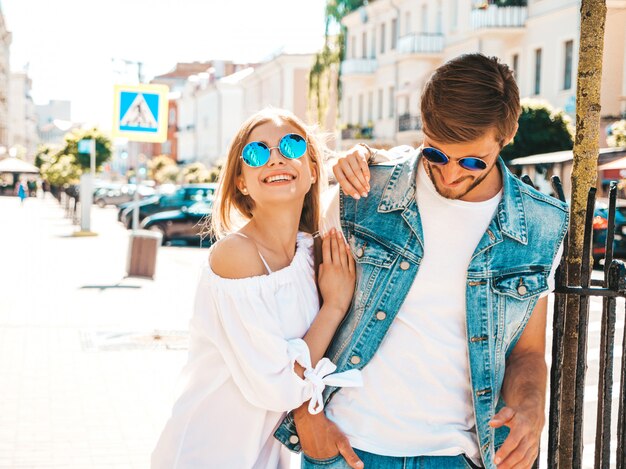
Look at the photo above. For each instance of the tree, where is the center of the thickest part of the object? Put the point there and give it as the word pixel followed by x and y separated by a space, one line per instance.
pixel 63 170
pixel 160 169
pixel 327 62
pixel 584 175
pixel 83 160
pixel 616 135
pixel 542 129
pixel 195 173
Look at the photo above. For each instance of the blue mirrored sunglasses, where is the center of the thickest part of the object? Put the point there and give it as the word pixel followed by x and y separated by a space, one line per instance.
pixel 256 154
pixel 438 157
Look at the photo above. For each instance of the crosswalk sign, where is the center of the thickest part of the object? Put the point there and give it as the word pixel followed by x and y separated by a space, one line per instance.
pixel 140 112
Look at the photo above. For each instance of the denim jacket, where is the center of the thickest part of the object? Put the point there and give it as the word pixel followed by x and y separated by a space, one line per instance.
pixel 506 275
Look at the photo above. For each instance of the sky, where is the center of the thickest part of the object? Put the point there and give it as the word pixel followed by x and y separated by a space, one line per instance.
pixel 72 48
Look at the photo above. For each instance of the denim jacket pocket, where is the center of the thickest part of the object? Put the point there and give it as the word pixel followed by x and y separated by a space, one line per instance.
pixel 367 250
pixel 521 285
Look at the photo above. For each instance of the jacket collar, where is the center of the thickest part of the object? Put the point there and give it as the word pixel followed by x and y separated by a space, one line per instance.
pixel 511 217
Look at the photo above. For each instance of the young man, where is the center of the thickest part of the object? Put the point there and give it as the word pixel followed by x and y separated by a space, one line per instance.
pixel 455 260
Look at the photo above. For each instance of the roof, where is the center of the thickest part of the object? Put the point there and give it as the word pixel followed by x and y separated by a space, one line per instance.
pixel 186 69
pixel 15 165
pixel 606 154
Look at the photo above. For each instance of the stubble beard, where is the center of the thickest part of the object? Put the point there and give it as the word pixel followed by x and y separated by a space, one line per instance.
pixel 450 194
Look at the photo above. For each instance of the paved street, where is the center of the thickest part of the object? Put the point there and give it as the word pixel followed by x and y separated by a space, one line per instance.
pixel 84 383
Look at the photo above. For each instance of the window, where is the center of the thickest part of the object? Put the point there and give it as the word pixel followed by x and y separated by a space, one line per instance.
pixel 407 23
pixel 353 47
pixel 361 109
pixel 454 17
pixel 349 111
pixel 537 71
pixel 382 38
pixel 394 33
pixel 373 48
pixel 392 101
pixel 370 106
pixel 439 19
pixel 515 65
pixel 567 69
pixel 172 119
pixel 380 103
pixel 424 19
pixel 364 46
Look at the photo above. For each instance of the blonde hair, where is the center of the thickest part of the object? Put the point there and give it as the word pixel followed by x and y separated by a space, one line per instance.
pixel 230 203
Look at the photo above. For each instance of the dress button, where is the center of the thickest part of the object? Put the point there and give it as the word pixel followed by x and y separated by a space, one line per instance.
pixel 355 360
pixel 404 265
pixel 360 252
pixel 381 315
pixel 293 439
pixel 522 290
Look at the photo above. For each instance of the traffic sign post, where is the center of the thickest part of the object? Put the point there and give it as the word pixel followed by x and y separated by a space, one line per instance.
pixel 140 112
pixel 140 115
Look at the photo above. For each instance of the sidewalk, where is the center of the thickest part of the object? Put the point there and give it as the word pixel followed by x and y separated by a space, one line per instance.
pixel 83 382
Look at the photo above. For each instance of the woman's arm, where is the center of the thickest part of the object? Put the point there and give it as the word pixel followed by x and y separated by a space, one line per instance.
pixel 243 325
pixel 336 281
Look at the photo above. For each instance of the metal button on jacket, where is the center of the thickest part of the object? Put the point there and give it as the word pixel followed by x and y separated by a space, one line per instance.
pixel 404 265
pixel 355 360
pixel 360 252
pixel 293 439
pixel 522 290
pixel 381 315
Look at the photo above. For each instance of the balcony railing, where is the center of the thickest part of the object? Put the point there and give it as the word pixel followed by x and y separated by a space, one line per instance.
pixel 409 122
pixel 493 16
pixel 353 132
pixel 358 66
pixel 421 43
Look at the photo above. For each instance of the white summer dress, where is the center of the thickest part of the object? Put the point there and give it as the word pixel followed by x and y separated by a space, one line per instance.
pixel 239 379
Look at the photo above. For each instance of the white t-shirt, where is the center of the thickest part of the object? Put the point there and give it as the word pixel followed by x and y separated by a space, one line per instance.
pixel 416 395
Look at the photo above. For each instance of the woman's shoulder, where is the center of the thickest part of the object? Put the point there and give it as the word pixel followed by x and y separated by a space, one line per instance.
pixel 236 257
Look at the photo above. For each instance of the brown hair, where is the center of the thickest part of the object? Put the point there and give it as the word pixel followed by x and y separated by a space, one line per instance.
pixel 230 203
pixel 468 96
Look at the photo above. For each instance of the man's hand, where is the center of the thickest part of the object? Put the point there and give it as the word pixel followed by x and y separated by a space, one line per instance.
pixel 321 439
pixel 521 447
pixel 524 391
pixel 352 172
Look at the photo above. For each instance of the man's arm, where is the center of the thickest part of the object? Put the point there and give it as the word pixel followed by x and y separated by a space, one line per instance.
pixel 524 391
pixel 321 439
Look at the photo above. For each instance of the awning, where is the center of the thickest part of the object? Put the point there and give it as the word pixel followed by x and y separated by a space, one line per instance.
pixel 617 164
pixel 15 165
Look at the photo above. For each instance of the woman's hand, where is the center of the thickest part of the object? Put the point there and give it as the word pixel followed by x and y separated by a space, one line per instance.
pixel 337 273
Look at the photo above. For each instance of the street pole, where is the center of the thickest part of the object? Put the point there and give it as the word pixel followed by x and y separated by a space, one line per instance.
pixel 86 187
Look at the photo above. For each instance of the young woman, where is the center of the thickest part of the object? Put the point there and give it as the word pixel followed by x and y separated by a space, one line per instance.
pixel 258 333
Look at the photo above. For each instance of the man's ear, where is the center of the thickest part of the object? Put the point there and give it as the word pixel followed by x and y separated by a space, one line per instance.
pixel 512 136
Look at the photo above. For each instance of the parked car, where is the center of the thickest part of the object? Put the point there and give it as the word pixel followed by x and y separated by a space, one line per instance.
pixel 600 228
pixel 114 196
pixel 187 224
pixel 185 196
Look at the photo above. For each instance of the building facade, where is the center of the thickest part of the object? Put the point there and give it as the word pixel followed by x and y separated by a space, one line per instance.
pixel 211 108
pixel 393 46
pixel 22 116
pixel 5 76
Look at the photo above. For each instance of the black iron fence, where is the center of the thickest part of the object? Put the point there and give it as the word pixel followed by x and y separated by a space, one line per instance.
pixel 611 287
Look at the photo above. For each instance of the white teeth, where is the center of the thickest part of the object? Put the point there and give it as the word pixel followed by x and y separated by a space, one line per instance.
pixel 279 177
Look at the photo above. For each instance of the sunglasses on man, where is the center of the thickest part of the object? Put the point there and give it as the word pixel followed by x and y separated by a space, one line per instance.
pixel 439 158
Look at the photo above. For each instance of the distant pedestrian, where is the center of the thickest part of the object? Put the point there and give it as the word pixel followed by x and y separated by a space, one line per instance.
pixel 21 191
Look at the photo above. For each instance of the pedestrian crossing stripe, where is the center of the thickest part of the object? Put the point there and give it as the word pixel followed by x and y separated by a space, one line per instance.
pixel 140 112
